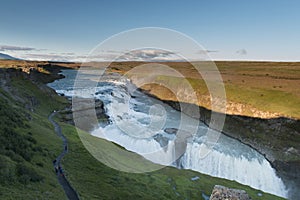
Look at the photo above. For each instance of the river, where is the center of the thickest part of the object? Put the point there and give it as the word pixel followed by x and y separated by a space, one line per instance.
pixel 129 116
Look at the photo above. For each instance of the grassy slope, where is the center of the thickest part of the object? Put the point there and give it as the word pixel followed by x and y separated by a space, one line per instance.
pixel 28 149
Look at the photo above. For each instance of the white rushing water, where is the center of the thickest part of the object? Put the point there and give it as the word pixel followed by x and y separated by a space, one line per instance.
pixel 130 119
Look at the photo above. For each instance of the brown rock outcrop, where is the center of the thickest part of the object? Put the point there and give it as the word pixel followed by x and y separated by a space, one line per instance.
pixel 223 193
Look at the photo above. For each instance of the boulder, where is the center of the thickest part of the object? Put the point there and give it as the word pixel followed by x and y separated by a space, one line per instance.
pixel 221 193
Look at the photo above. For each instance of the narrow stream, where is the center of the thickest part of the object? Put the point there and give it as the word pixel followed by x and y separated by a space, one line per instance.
pixel 228 159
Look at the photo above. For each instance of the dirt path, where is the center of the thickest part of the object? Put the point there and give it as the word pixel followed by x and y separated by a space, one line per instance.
pixel 70 192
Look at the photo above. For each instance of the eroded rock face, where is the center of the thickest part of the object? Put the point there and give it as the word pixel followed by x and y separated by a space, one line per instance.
pixel 270 137
pixel 221 193
pixel 85 113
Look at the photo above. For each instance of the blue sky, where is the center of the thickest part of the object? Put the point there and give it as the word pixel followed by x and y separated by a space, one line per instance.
pixel 232 29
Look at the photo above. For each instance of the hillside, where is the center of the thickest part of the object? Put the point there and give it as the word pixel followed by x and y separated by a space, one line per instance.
pixel 26 153
pixel 7 57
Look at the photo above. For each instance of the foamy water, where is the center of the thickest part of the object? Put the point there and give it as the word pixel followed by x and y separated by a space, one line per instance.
pixel 135 129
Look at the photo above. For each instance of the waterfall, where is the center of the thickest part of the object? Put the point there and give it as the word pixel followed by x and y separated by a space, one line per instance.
pixel 148 148
pixel 228 158
pixel 257 173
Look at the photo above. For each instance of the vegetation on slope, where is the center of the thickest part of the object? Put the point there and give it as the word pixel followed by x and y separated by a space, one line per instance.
pixel 27 141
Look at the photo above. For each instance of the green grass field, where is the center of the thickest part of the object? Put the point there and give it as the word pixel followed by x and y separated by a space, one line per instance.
pixel 264 86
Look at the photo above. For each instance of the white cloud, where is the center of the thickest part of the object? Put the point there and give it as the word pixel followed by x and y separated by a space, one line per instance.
pixel 207 51
pixel 150 55
pixel 46 57
pixel 15 48
pixel 135 55
pixel 241 52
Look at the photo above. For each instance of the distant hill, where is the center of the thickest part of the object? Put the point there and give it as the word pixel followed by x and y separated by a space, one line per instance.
pixel 7 57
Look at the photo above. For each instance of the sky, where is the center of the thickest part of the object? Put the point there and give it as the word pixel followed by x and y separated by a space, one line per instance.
pixel 228 30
